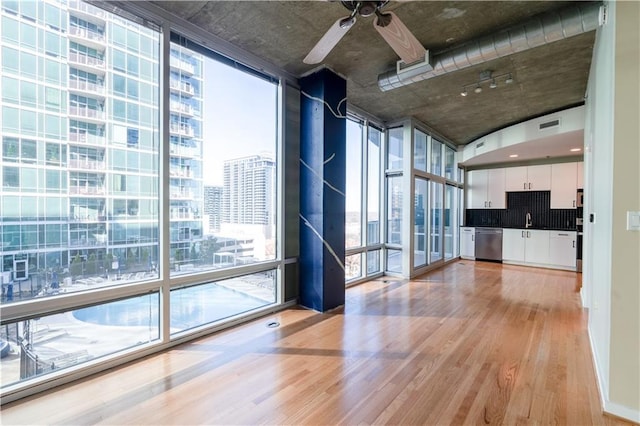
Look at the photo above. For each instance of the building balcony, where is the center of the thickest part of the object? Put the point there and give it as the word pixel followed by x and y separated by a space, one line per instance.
pixel 184 89
pixel 86 62
pixel 184 151
pixel 84 87
pixel 183 216
pixel 86 190
pixel 86 138
pixel 180 172
pixel 87 219
pixel 180 193
pixel 88 242
pixel 183 66
pixel 181 108
pixel 182 129
pixel 93 115
pixel 86 164
pixel 87 12
pixel 87 37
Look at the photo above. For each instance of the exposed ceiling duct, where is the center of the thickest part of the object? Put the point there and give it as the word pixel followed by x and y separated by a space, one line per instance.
pixel 543 29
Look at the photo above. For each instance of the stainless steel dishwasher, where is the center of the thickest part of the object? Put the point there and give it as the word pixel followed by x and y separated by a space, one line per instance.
pixel 489 244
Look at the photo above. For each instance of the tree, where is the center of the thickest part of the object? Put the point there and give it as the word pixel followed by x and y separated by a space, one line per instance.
pixel 178 257
pixel 91 266
pixel 208 248
pixel 108 261
pixel 131 258
pixel 76 266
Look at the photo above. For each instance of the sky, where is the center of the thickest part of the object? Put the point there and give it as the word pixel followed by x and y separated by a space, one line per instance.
pixel 239 117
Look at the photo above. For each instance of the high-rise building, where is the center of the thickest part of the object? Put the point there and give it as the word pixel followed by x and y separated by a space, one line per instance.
pixel 248 188
pixel 213 207
pixel 80 140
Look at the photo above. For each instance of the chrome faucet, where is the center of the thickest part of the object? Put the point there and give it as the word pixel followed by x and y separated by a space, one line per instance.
pixel 528 223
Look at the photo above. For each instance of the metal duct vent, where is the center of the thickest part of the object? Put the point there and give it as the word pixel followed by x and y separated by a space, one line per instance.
pixel 549 124
pixel 543 29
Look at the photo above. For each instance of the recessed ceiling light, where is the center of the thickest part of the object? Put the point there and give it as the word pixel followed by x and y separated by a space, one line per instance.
pixel 575 149
pixel 513 156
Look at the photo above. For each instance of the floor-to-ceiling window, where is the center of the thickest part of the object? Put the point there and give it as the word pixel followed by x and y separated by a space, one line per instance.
pixel 394 195
pixel 213 150
pixel 362 218
pixel 118 237
pixel 436 201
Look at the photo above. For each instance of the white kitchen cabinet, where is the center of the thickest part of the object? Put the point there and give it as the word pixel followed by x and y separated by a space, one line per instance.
pixel 562 249
pixel 580 175
pixel 496 196
pixel 485 189
pixel 467 243
pixel 516 178
pixel 528 178
pixel 525 246
pixel 539 177
pixel 564 185
pixel 536 249
pixel 513 241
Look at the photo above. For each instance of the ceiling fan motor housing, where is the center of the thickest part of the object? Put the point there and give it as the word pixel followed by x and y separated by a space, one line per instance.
pixel 364 8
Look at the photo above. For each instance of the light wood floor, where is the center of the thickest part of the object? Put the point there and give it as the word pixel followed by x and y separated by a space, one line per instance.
pixel 472 343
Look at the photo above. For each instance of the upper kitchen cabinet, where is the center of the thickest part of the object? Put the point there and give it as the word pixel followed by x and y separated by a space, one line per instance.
pixel 486 190
pixel 564 185
pixel 528 178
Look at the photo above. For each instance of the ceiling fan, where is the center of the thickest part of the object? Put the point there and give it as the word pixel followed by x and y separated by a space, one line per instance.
pixel 390 27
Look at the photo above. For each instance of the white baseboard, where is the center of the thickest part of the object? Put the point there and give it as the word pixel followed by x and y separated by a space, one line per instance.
pixel 609 407
pixel 621 411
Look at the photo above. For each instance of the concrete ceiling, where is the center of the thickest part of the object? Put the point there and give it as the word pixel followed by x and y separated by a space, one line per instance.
pixel 547 78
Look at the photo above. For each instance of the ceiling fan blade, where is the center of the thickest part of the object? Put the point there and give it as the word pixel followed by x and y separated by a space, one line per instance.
pixel 329 40
pixel 399 38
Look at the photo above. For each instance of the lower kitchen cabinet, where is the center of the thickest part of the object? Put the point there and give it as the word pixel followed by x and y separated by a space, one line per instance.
pixel 513 245
pixel 536 247
pixel 562 249
pixel 467 243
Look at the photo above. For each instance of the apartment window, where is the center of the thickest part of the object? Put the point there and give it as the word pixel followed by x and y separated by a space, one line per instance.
pixel 10 148
pixel 11 177
pixel 435 221
pixel 420 225
pixel 81 196
pixel 395 149
pixel 230 156
pixel 420 150
pixel 450 166
pixel 436 157
pixel 374 178
pixel 353 213
pixel 363 177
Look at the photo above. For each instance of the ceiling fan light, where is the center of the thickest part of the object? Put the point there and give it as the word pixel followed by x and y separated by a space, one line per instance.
pixel 347 22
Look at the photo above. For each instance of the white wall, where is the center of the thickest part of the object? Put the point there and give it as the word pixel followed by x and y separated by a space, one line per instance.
pixel 611 278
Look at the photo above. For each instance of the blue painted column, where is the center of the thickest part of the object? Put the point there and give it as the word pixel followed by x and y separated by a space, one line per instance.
pixel 323 136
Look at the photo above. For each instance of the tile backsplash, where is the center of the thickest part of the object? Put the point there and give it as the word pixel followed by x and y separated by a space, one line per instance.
pixel 518 205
